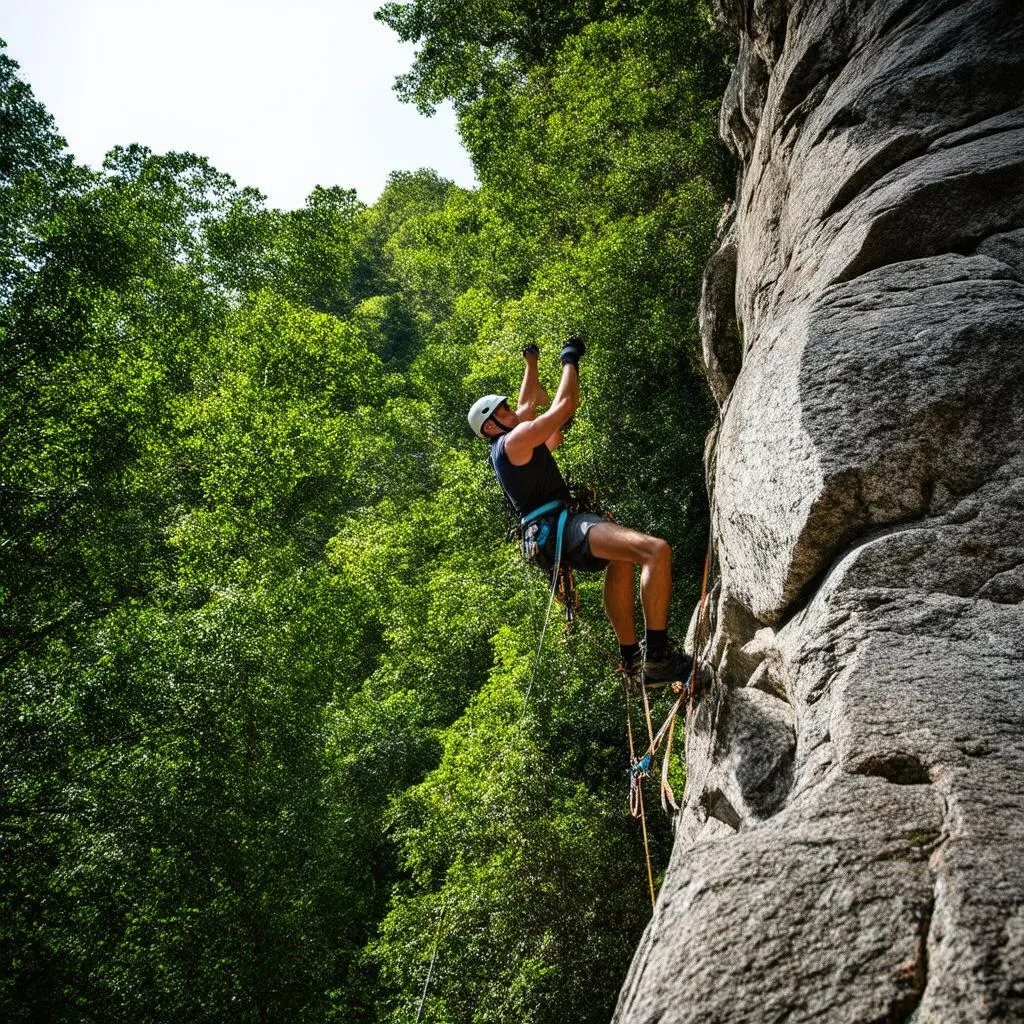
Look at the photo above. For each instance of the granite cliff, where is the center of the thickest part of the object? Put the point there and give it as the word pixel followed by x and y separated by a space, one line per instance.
pixel 851 847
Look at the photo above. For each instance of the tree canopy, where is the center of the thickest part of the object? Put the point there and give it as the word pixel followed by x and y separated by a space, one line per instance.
pixel 265 750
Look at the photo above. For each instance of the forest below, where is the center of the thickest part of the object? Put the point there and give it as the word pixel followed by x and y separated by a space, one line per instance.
pixel 265 644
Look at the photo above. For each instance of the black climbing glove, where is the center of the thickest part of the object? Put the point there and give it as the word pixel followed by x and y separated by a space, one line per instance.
pixel 531 350
pixel 572 351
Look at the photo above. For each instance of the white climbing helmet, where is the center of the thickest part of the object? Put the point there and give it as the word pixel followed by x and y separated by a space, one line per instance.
pixel 482 411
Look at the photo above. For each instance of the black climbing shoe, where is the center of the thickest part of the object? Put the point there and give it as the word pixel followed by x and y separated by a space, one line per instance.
pixel 632 670
pixel 672 667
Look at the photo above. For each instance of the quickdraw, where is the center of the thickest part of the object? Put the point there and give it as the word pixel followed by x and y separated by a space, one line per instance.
pixel 567 595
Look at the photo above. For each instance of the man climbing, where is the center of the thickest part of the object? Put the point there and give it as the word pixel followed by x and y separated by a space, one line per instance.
pixel 521 444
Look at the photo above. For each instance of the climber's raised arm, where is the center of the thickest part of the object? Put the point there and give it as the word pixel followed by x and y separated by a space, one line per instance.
pixel 546 427
pixel 531 392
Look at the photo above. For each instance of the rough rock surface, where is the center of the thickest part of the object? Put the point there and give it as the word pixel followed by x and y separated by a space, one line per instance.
pixel 851 846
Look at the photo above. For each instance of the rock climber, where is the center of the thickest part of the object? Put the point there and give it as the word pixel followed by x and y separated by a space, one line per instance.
pixel 521 443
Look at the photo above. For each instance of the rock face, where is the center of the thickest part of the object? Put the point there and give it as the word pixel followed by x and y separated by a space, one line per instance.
pixel 851 847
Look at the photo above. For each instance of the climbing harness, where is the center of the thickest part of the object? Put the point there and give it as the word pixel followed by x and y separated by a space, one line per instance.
pixel 536 519
pixel 535 532
pixel 640 766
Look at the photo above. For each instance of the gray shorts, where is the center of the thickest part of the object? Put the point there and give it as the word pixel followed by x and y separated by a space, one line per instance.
pixel 576 543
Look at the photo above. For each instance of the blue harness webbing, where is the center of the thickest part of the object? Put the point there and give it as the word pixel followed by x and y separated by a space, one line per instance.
pixel 563 516
pixel 538 513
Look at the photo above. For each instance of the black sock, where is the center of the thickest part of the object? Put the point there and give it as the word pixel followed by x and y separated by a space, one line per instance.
pixel 656 642
pixel 627 652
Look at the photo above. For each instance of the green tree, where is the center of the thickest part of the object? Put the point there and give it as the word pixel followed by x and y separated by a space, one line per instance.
pixel 602 181
pixel 469 48
pixel 265 663
pixel 176 458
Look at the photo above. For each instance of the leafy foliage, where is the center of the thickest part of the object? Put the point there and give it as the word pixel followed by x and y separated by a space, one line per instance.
pixel 266 750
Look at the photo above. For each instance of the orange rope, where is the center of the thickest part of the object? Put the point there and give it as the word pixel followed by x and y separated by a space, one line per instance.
pixel 647 851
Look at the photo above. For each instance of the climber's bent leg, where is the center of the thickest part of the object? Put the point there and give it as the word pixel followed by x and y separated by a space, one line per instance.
pixel 653 555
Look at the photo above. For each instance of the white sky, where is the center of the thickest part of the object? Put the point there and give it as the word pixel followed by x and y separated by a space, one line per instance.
pixel 280 94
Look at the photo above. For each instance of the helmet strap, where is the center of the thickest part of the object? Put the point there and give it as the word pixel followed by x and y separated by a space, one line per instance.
pixel 501 426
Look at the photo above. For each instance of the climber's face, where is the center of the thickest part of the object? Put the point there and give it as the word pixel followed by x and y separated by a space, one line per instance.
pixel 505 416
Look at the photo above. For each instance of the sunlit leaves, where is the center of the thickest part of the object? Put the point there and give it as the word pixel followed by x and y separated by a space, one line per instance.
pixel 602 185
pixel 267 656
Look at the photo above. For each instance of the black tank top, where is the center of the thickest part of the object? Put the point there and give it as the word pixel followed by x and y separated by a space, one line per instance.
pixel 530 486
